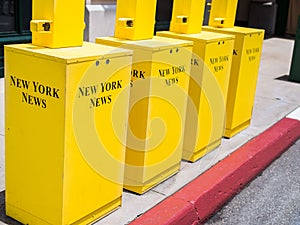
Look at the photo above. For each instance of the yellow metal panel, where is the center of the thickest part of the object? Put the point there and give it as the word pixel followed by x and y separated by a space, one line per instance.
pixel 34 139
pixel 211 64
pixel 57 24
pixel 244 73
pixel 222 13
pixel 69 55
pixel 187 16
pixel 158 96
pixel 154 44
pixel 203 37
pixel 65 133
pixel 135 19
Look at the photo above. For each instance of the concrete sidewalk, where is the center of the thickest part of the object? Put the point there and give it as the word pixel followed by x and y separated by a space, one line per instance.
pixel 274 100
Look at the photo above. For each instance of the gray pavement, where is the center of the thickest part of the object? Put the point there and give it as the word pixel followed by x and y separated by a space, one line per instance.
pixel 274 100
pixel 272 198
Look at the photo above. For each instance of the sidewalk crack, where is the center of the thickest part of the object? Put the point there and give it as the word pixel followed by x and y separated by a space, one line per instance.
pixel 159 193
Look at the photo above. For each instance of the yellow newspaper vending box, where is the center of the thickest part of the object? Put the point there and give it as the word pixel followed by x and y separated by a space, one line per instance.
pixel 205 118
pixel 244 73
pixel 66 114
pixel 210 73
pixel 157 108
pixel 245 64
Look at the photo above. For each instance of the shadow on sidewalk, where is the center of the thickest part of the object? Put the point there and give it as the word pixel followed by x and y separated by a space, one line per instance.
pixel 3 218
pixel 286 78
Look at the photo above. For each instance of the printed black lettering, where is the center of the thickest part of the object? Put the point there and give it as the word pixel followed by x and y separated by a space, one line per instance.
pixel 102 87
pixel 12 81
pixel 179 69
pixel 224 58
pixel 195 62
pixel 218 68
pixel 256 50
pixel 34 100
pixel 81 91
pixel 113 85
pixel 55 93
pixel 251 58
pixel 164 72
pixel 37 101
pixel 42 89
pixel 24 97
pixel 104 100
pixel 135 73
pixel 44 105
pixel 93 89
pixel 142 74
pixel 119 84
pixel 214 60
pixel 86 92
pixel 93 102
pixel 108 86
pixel 30 100
pixel 175 70
pixel 138 74
pixel 35 85
pixel 172 81
pixel 17 82
pixel 48 91
pixel 109 99
pixel 25 84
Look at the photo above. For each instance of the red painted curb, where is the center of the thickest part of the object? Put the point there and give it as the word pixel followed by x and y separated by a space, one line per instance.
pixel 185 213
pixel 198 200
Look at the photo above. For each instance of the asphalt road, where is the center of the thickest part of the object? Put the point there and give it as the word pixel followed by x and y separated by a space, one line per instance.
pixel 273 198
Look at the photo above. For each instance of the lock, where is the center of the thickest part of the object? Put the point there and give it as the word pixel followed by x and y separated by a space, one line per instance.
pixel 181 19
pixel 126 22
pixel 40 26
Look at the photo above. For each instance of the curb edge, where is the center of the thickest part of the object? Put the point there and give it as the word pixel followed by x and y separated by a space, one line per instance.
pixel 202 197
